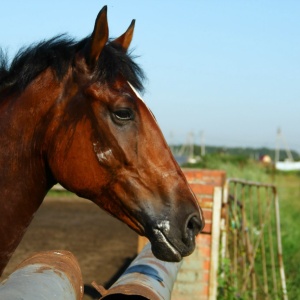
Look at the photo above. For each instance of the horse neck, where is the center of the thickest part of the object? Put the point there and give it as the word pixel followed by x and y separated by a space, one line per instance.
pixel 24 178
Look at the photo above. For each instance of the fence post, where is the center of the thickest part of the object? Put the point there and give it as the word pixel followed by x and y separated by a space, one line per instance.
pixel 213 279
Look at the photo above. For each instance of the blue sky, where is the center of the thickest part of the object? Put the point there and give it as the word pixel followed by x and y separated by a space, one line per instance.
pixel 228 68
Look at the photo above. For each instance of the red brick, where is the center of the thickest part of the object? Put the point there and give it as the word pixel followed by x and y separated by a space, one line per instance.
pixel 207 228
pixel 192 264
pixel 210 177
pixel 206 265
pixel 203 239
pixel 193 174
pixel 206 198
pixel 205 276
pixel 214 177
pixel 205 251
pixel 207 214
pixel 187 276
pixel 187 289
pixel 208 205
pixel 200 189
pixel 205 289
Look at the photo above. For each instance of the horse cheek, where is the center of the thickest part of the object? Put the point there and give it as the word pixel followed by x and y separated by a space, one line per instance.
pixel 75 165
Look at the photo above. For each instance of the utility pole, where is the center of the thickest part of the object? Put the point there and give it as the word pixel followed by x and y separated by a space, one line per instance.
pixel 277 150
pixel 191 145
pixel 202 143
pixel 287 150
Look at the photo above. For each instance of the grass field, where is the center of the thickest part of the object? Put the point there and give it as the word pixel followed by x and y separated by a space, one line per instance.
pixel 289 196
pixel 288 185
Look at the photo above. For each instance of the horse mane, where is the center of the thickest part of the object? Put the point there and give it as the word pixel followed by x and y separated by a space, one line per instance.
pixel 58 53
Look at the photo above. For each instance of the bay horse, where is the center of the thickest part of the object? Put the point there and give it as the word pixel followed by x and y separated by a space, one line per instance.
pixel 70 113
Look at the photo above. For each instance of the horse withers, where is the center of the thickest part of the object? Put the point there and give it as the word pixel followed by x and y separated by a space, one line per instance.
pixel 71 113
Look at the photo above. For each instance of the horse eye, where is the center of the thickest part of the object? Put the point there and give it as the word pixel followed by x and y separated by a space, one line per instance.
pixel 123 114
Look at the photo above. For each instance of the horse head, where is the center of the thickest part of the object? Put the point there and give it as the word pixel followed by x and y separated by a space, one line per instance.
pixel 104 144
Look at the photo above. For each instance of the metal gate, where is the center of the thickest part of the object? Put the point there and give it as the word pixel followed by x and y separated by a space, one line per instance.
pixel 251 251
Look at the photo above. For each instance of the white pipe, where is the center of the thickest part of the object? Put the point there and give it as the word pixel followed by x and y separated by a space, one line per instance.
pixel 46 275
pixel 146 278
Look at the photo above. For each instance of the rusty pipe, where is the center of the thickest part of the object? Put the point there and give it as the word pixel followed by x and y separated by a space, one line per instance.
pixel 146 278
pixel 45 275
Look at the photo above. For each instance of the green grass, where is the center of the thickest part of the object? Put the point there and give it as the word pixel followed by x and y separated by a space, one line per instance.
pixel 288 185
pixel 289 196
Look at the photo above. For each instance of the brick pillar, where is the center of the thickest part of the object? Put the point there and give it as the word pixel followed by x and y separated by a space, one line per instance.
pixel 193 279
pixel 194 276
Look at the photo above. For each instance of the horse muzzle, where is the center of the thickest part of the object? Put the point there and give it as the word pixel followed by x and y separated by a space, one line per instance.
pixel 172 243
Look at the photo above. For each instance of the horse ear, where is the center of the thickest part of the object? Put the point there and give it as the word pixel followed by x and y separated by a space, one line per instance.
pixel 125 39
pixel 98 39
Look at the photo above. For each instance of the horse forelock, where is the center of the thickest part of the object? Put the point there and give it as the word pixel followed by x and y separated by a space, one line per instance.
pixel 59 54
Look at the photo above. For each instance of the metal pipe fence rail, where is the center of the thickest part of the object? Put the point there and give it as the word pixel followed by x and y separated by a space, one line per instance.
pixel 251 252
pixel 57 275
pixel 146 278
pixel 45 275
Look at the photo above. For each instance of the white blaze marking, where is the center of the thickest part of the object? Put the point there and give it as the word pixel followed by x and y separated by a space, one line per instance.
pixel 140 97
pixel 136 92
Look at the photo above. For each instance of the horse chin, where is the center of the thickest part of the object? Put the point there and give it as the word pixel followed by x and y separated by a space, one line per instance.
pixel 163 249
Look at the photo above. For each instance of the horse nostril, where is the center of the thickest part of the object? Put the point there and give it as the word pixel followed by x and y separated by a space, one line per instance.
pixel 194 225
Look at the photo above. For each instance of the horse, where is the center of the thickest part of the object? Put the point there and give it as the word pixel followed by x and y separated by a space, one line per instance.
pixel 71 113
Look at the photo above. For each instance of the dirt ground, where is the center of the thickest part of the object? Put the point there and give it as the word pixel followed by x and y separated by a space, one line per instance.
pixel 102 245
